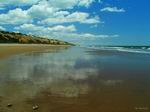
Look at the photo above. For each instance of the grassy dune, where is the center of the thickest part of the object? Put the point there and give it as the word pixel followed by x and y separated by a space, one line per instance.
pixel 11 37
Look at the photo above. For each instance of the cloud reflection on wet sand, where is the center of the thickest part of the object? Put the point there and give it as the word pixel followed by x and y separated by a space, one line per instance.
pixel 64 78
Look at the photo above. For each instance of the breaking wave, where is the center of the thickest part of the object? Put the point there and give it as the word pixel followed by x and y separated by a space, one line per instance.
pixel 132 49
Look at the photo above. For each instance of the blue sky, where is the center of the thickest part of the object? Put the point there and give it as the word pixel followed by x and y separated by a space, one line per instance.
pixel 100 22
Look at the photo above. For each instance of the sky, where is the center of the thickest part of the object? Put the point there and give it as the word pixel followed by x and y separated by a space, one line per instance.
pixel 84 22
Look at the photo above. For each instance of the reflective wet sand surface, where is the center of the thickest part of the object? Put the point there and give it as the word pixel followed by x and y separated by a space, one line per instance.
pixel 7 50
pixel 75 80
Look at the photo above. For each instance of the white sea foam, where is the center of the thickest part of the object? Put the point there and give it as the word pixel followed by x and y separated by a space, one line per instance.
pixel 123 49
pixel 135 50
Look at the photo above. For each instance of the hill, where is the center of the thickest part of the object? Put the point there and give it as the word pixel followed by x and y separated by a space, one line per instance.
pixel 12 37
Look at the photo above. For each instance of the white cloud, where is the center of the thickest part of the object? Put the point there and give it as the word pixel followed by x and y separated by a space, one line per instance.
pixel 88 36
pixel 68 4
pixel 63 4
pixel 61 13
pixel 93 20
pixel 112 9
pixel 2 28
pixel 30 27
pixel 61 28
pixel 48 12
pixel 41 10
pixel 59 4
pixel 60 31
pixel 85 3
pixel 45 30
pixel 18 2
pixel 17 16
pixel 43 13
pixel 81 38
pixel 80 17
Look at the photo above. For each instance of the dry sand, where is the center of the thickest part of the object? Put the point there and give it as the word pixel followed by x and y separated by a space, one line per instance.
pixel 7 50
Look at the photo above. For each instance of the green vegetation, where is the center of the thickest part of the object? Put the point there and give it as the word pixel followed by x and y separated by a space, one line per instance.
pixel 12 37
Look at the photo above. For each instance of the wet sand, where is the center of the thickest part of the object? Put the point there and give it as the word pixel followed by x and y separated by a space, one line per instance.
pixel 75 80
pixel 7 50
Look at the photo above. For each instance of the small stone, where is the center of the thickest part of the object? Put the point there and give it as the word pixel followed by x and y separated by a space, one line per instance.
pixel 35 107
pixel 9 105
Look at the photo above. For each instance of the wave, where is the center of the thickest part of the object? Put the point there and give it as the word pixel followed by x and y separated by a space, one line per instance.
pixel 131 49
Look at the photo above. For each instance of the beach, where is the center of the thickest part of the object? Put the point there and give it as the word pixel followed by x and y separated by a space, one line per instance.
pixel 7 50
pixel 73 79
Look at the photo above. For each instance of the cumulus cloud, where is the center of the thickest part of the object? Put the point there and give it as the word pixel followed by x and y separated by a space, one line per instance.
pixel 29 27
pixel 18 2
pixel 69 4
pixel 63 4
pixel 41 10
pixel 80 17
pixel 85 2
pixel 112 9
pixel 61 28
pixel 45 30
pixel 47 18
pixel 59 31
pixel 59 4
pixel 48 13
pixel 88 36
pixel 16 16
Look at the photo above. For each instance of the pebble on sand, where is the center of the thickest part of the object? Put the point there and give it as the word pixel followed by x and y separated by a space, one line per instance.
pixel 9 105
pixel 35 107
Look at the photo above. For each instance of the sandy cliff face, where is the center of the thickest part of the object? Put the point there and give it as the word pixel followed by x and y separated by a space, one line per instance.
pixel 11 37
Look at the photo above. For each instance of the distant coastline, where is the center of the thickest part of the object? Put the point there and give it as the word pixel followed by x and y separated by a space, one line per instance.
pixel 12 43
pixel 19 38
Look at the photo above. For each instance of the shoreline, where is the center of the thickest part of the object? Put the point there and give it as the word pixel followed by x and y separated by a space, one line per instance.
pixel 61 76
pixel 7 50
